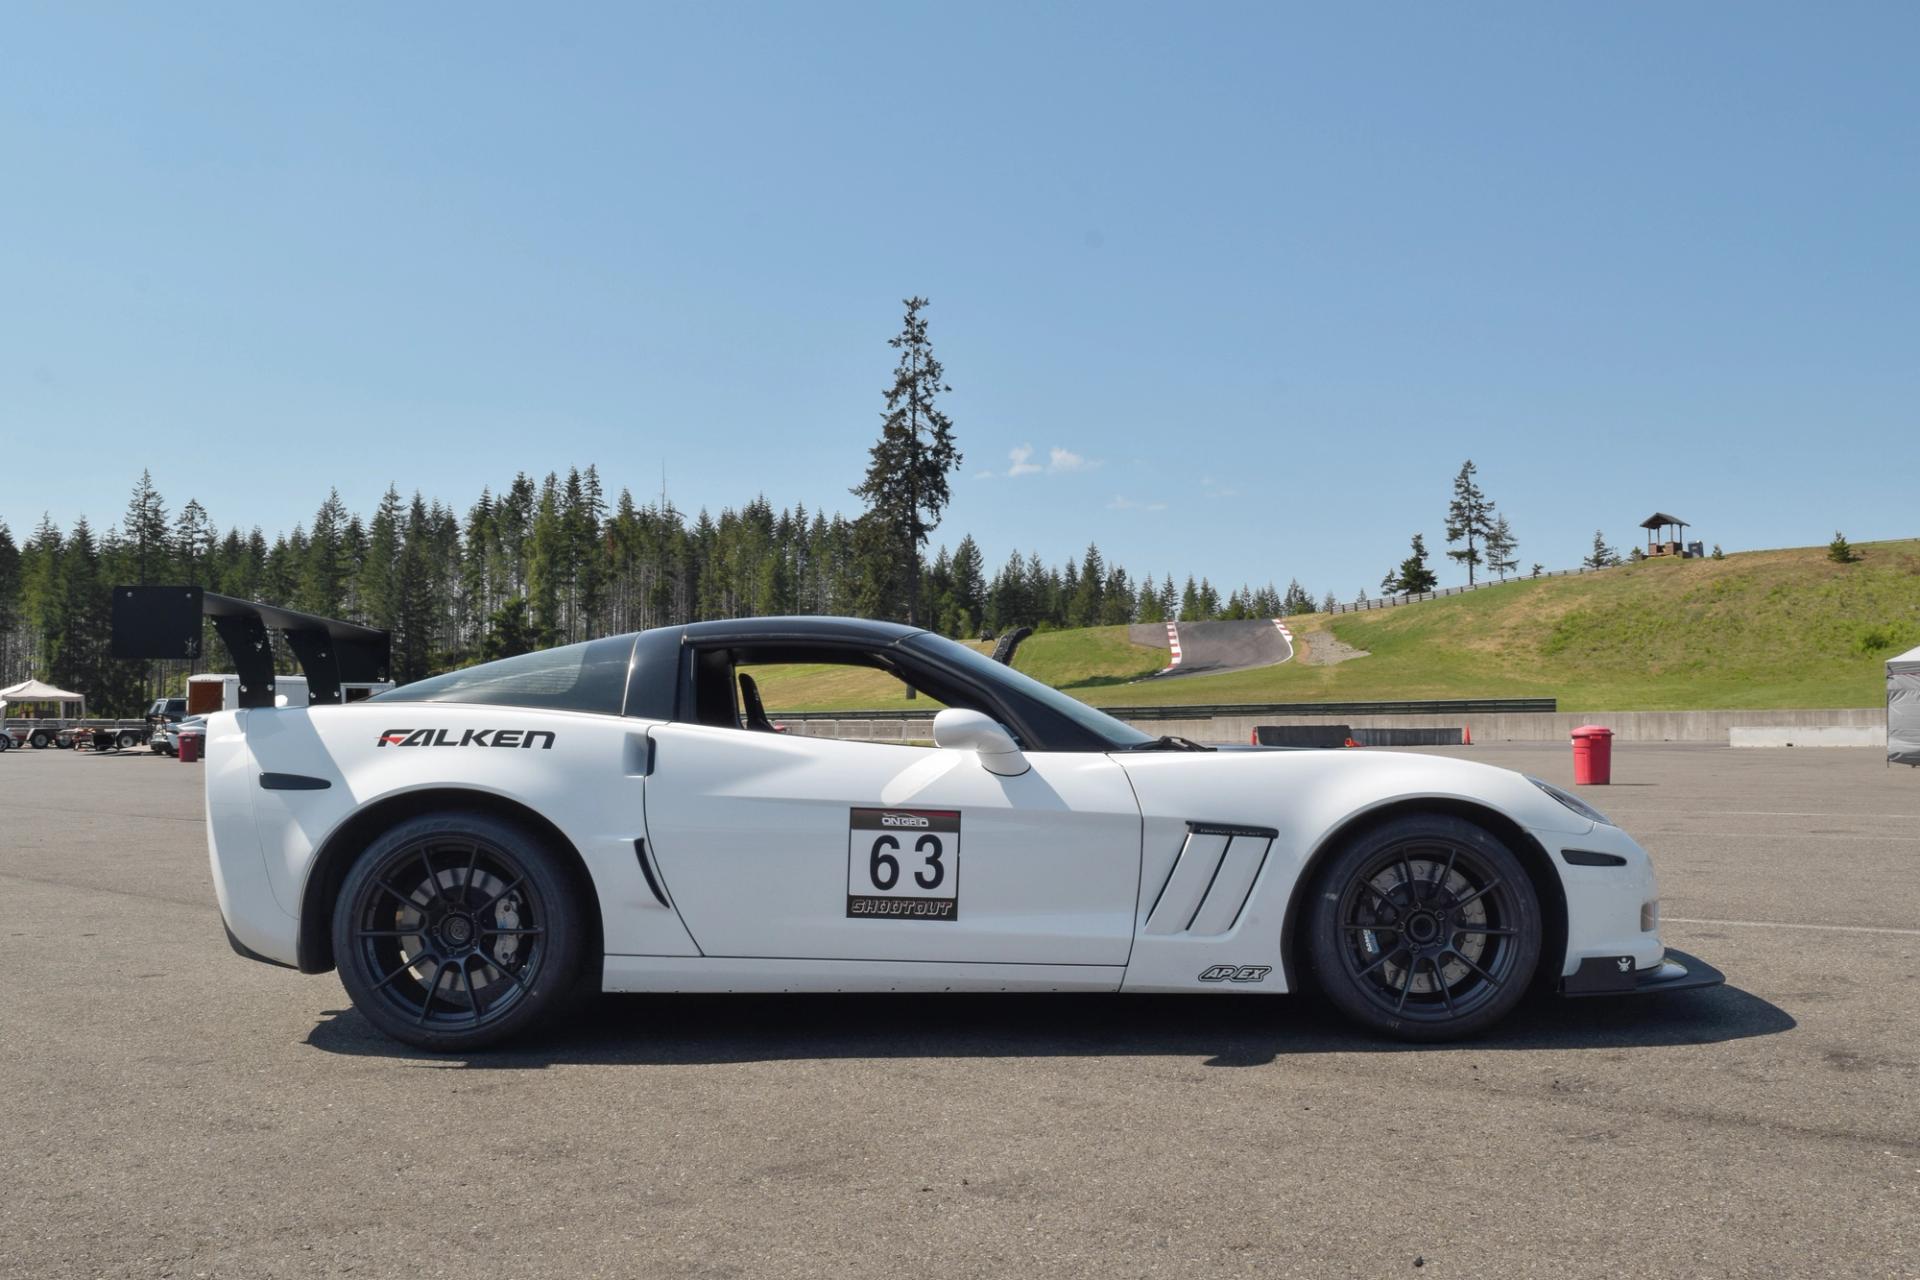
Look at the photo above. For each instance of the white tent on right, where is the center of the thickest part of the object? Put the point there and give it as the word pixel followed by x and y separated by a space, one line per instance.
pixel 1903 708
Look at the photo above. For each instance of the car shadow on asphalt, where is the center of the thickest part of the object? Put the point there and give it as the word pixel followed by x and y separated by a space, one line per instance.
pixel 1220 1031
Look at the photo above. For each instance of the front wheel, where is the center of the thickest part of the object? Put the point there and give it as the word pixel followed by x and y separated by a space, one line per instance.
pixel 454 931
pixel 38 740
pixel 1425 928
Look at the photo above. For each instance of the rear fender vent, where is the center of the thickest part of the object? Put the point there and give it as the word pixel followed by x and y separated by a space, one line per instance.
pixel 1211 880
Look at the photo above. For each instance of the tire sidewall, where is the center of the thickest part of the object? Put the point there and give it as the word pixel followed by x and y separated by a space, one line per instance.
pixel 1324 937
pixel 551 880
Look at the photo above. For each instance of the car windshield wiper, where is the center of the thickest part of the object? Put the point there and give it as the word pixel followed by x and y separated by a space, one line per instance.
pixel 1170 742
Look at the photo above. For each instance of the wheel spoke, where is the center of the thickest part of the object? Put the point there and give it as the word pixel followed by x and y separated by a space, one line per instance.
pixel 1407 989
pixel 1384 957
pixel 406 898
pixel 1440 980
pixel 466 883
pixel 1440 882
pixel 1468 961
pixel 473 996
pixel 512 933
pixel 404 966
pixel 495 900
pixel 433 989
pixel 1482 891
pixel 433 877
pixel 517 979
pixel 1368 885
pixel 1413 886
pixel 417 931
pixel 1491 933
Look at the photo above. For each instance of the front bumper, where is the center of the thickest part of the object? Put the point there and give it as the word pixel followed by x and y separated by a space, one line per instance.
pixel 1605 976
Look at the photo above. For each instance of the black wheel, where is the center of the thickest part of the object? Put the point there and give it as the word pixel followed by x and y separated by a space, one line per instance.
pixel 455 931
pixel 38 740
pixel 1426 928
pixel 127 741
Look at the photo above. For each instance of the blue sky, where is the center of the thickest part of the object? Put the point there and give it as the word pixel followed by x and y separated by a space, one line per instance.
pixel 1247 281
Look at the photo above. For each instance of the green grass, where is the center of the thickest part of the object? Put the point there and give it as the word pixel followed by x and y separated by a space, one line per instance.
pixel 1085 663
pixel 1760 629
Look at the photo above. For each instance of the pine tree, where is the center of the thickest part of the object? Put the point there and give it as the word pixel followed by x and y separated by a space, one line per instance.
pixel 1840 551
pixel 906 486
pixel 326 567
pixel 1469 518
pixel 1602 555
pixel 969 588
pixel 378 588
pixel 1414 577
pixel 1084 609
pixel 145 529
pixel 1500 548
pixel 1190 606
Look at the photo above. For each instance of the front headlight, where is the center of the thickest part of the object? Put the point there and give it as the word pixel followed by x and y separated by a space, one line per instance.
pixel 1572 802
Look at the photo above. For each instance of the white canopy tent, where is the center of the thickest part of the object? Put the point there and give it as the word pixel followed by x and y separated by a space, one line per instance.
pixel 1903 708
pixel 31 691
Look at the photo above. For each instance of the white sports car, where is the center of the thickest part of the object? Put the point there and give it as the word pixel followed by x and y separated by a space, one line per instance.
pixel 471 849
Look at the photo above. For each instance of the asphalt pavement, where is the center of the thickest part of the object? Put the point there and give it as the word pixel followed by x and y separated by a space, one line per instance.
pixel 1218 646
pixel 169 1109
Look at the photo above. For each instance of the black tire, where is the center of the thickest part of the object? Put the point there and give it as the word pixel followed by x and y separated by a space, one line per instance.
pixel 127 741
pixel 1425 928
pixel 475 897
pixel 38 740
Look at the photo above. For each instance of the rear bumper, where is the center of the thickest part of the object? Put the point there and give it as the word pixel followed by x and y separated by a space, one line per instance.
pixel 1603 976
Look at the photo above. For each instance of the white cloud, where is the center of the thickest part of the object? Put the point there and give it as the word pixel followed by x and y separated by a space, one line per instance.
pixel 1020 465
pixel 983 475
pixel 1059 461
pixel 1120 503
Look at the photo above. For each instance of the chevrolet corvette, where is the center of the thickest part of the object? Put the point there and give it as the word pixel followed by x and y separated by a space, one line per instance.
pixel 471 850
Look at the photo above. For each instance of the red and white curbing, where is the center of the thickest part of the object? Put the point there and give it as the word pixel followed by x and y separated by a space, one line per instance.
pixel 1173 647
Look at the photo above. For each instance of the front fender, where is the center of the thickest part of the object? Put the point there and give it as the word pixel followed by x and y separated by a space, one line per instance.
pixel 1307 798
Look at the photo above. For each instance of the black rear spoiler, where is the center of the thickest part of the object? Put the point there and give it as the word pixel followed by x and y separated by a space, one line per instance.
pixel 164 622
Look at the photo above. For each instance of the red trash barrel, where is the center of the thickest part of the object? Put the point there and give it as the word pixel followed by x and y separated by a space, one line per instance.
pixel 189 748
pixel 1592 756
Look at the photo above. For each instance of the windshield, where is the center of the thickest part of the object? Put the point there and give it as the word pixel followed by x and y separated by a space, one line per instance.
pixel 1114 733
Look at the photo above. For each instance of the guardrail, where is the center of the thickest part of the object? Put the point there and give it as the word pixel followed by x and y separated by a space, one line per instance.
pixel 1417 707
pixel 1391 602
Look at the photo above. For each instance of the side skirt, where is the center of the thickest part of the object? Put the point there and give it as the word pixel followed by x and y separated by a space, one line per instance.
pixel 732 974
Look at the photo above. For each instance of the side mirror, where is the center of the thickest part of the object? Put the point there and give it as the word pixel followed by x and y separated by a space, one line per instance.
pixel 957 730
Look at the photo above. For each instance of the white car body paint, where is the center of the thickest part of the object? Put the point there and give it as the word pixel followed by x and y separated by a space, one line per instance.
pixel 1063 870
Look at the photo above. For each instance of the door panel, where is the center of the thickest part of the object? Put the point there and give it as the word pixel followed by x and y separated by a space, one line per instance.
pixel 756 836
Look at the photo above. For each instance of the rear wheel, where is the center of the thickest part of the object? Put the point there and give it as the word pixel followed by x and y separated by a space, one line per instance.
pixel 1426 928
pixel 39 739
pixel 128 740
pixel 455 931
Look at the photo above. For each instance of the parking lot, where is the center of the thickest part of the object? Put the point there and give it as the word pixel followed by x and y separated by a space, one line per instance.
pixel 167 1108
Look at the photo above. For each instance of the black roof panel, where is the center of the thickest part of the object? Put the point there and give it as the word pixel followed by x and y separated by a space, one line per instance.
pixel 859 630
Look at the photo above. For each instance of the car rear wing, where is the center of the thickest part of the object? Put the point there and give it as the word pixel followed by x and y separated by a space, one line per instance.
pixel 164 622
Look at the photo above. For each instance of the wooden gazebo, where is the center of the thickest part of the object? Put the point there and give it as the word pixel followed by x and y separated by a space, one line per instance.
pixel 1660 522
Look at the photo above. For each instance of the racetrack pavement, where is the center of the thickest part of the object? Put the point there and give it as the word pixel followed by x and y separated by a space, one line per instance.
pixel 1218 646
pixel 168 1109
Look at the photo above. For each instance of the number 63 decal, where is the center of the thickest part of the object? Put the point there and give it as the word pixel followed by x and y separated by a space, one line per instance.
pixel 903 864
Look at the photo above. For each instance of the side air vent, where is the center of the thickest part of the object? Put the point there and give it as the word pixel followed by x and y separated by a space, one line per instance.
pixel 1211 879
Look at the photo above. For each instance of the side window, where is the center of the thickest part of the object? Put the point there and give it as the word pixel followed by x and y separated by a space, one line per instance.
pixel 809 691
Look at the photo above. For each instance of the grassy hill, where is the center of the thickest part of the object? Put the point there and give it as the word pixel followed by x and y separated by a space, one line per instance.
pixel 1782 628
